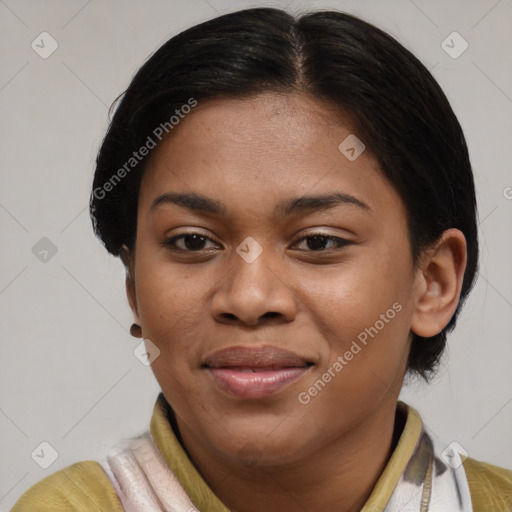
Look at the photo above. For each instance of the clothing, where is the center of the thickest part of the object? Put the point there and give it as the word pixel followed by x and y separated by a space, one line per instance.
pixel 85 486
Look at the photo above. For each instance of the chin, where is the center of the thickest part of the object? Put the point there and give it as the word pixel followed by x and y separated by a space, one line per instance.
pixel 262 447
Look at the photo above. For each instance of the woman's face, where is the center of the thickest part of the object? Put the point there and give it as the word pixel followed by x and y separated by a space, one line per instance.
pixel 282 321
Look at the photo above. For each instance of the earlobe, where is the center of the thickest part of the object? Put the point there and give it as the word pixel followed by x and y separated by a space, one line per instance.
pixel 132 298
pixel 439 282
pixel 127 260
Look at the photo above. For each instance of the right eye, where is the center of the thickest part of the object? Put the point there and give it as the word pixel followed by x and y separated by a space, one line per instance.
pixel 187 242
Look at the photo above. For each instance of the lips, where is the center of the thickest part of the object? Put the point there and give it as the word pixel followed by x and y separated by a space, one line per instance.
pixel 255 372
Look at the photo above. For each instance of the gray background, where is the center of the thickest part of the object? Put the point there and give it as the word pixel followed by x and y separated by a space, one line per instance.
pixel 68 373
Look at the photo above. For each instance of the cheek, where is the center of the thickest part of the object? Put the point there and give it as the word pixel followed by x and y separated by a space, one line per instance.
pixel 171 303
pixel 366 329
pixel 171 311
pixel 363 310
pixel 351 297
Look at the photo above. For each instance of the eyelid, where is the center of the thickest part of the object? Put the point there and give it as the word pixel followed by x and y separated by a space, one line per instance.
pixel 340 242
pixel 169 241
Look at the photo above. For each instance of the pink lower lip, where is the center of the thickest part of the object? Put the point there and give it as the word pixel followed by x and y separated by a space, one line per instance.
pixel 255 384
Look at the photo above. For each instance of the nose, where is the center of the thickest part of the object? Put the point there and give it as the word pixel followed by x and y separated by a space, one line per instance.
pixel 255 293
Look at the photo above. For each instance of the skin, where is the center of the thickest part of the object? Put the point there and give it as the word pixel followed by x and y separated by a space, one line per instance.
pixel 276 453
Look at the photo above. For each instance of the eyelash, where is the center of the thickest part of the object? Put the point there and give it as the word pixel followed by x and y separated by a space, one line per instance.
pixel 340 243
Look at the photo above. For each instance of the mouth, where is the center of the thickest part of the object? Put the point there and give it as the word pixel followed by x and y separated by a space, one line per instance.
pixel 255 372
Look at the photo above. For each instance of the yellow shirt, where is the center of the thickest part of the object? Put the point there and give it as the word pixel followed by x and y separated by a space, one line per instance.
pixel 84 486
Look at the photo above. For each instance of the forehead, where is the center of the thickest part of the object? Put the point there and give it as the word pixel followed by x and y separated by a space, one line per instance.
pixel 258 150
pixel 281 122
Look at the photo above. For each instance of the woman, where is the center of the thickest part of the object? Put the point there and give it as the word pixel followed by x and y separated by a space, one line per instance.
pixel 294 204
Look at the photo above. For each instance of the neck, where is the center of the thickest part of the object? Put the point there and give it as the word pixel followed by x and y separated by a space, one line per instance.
pixel 339 476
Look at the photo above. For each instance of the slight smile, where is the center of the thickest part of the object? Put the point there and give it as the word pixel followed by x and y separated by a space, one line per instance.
pixel 255 372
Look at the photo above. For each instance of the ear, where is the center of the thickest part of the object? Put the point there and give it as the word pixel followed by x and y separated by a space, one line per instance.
pixel 438 283
pixel 129 263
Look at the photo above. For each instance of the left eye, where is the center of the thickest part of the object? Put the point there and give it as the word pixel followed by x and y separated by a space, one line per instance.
pixel 317 242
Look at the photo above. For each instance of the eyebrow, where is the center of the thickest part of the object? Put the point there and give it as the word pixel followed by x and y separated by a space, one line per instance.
pixel 306 204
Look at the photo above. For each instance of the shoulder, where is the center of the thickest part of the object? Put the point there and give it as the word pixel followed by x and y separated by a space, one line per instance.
pixel 81 487
pixel 490 486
